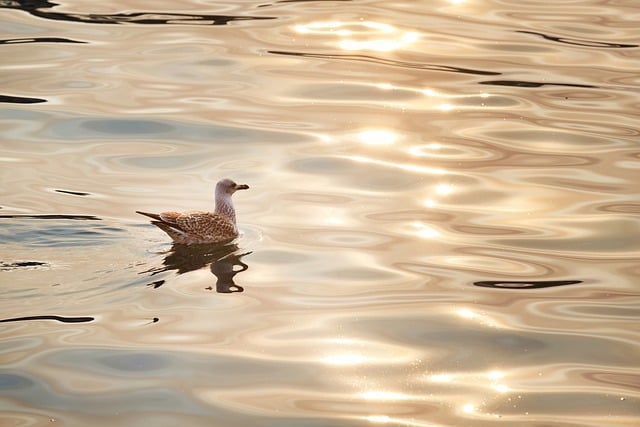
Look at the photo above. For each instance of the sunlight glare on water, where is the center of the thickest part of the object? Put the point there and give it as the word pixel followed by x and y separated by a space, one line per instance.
pixel 441 227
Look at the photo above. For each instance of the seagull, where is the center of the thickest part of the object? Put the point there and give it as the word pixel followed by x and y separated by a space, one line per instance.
pixel 195 227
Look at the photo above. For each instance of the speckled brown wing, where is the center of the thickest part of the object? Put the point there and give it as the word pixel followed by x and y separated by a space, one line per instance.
pixel 206 225
pixel 169 217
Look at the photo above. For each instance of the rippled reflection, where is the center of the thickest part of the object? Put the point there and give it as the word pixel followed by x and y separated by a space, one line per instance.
pixel 362 35
pixel 389 62
pixel 442 232
pixel 579 42
pixel 224 262
pixel 41 9
pixel 407 167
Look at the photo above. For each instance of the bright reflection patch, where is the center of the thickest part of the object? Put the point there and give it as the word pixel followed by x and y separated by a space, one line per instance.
pixel 424 150
pixel 444 189
pixel 474 316
pixel 380 45
pixel 342 340
pixel 345 359
pixel 407 167
pixel 332 216
pixel 466 313
pixel 441 378
pixel 361 35
pixel 468 408
pixel 377 137
pixel 500 388
pixel 478 380
pixel 445 107
pixel 378 418
pixel 425 231
pixel 495 375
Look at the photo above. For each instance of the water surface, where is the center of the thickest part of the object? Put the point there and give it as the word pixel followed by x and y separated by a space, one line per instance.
pixel 442 226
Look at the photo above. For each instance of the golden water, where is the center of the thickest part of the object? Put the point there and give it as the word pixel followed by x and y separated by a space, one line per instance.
pixel 442 226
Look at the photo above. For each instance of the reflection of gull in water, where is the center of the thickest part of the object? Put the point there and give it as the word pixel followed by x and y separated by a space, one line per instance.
pixel 223 259
pixel 224 270
pixel 199 226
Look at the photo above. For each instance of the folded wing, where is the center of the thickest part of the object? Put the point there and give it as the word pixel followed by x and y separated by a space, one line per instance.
pixel 194 227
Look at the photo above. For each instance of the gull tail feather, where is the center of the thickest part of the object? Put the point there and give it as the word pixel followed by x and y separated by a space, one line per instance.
pixel 150 215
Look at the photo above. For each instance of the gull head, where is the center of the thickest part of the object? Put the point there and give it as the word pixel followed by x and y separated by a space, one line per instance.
pixel 227 186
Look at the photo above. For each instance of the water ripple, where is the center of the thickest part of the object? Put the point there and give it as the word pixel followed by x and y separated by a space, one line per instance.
pixel 393 63
pixel 578 42
pixel 397 156
pixel 39 40
pixel 40 9
pixel 20 99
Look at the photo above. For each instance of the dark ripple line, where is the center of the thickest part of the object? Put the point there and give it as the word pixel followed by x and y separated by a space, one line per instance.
pixel 34 7
pixel 578 42
pixel 300 1
pixel 62 319
pixel 22 264
pixel 39 40
pixel 376 60
pixel 4 266
pixel 73 193
pixel 74 217
pixel 520 83
pixel 20 99
pixel 524 284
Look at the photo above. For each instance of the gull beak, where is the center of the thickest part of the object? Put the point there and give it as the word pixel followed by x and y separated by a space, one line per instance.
pixel 242 187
